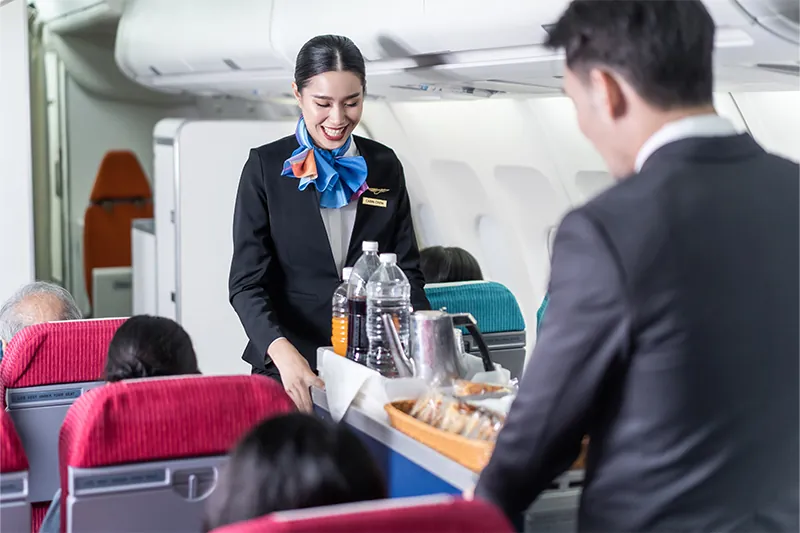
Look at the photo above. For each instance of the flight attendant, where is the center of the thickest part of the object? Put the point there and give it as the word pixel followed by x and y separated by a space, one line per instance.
pixel 305 205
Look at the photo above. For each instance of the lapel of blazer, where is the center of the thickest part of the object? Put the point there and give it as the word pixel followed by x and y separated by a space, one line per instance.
pixel 311 228
pixel 363 212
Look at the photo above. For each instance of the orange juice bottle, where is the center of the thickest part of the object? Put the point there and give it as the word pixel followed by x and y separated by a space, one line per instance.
pixel 339 315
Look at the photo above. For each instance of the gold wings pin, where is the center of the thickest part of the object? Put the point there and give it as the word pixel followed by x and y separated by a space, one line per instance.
pixel 377 192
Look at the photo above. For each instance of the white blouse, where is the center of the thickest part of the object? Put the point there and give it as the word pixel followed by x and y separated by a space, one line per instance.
pixel 339 223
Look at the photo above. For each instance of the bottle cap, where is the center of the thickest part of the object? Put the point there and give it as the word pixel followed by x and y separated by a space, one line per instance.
pixel 369 246
pixel 346 271
pixel 389 258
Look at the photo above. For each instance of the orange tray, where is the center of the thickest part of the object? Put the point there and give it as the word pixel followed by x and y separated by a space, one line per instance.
pixel 470 453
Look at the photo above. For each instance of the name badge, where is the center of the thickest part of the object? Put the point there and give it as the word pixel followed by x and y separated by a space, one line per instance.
pixel 375 202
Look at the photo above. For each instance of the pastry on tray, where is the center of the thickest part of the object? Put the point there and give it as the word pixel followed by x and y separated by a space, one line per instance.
pixel 463 387
pixel 457 417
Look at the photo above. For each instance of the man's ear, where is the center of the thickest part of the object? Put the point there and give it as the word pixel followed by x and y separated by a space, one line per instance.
pixel 607 94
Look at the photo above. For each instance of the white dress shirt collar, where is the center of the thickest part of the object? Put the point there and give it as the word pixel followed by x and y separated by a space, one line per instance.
pixel 711 125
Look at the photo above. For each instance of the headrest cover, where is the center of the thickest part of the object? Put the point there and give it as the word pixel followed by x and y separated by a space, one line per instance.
pixel 12 455
pixel 57 352
pixel 494 306
pixel 120 177
pixel 166 418
pixel 453 516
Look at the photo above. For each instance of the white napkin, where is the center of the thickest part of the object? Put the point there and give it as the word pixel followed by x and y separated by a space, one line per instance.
pixel 348 383
pixel 473 368
pixel 344 379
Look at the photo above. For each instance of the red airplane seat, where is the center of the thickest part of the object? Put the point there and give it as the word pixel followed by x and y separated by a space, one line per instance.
pixel 15 511
pixel 426 514
pixel 145 453
pixel 46 367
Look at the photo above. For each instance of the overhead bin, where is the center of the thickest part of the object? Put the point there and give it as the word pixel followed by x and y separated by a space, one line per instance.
pixel 191 43
pixel 409 44
pixel 413 48
pixel 780 17
pixel 400 28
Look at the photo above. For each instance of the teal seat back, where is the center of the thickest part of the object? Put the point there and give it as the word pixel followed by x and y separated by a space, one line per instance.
pixel 540 313
pixel 494 306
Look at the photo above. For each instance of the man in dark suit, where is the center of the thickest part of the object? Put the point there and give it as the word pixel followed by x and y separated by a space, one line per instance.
pixel 671 337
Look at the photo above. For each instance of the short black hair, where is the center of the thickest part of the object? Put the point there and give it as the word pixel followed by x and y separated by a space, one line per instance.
pixel 149 346
pixel 441 264
pixel 663 48
pixel 293 461
pixel 327 53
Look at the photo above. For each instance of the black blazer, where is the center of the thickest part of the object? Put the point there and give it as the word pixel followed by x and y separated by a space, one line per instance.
pixel 672 340
pixel 283 274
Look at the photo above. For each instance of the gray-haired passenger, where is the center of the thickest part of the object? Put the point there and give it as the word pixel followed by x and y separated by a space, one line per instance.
pixel 35 303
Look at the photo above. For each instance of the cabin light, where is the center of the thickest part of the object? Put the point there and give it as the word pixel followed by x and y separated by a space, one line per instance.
pixel 726 37
pixel 791 70
pixel 451 90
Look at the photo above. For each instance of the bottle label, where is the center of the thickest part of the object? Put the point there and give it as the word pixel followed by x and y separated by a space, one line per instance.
pixel 357 341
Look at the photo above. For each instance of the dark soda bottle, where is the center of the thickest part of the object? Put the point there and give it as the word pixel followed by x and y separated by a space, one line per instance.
pixel 357 341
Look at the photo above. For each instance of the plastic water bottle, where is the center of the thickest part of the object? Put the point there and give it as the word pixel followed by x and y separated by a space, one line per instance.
pixel 367 264
pixel 339 315
pixel 388 291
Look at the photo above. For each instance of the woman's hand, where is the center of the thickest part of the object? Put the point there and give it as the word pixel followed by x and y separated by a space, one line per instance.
pixel 296 375
pixel 469 493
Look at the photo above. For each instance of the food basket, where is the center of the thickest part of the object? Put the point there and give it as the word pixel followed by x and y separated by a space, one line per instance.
pixel 470 453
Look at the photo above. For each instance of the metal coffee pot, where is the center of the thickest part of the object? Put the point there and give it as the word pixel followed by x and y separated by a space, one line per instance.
pixel 434 354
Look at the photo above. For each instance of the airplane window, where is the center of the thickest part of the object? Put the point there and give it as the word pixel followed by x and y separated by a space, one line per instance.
pixel 459 196
pixel 416 191
pixel 427 229
pixel 592 182
pixel 497 250
pixel 539 203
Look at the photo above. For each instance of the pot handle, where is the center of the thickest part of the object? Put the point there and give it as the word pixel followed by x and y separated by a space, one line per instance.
pixel 468 321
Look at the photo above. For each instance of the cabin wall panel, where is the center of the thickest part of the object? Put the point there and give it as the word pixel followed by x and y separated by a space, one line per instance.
pixel 95 126
pixel 457 147
pixel 773 119
pixel 16 186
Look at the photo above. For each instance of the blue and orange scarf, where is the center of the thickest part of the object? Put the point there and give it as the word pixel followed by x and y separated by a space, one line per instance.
pixel 338 178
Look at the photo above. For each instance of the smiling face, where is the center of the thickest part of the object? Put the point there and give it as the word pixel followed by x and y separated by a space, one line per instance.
pixel 332 103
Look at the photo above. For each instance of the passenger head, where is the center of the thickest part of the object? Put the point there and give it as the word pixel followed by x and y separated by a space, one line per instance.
pixel 36 303
pixel 441 265
pixel 149 346
pixel 631 67
pixel 293 461
pixel 330 83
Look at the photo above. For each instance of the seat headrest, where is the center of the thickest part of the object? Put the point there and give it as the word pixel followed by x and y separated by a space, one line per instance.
pixel 120 177
pixel 12 454
pixel 165 418
pixel 494 306
pixel 72 351
pixel 428 514
pixel 540 312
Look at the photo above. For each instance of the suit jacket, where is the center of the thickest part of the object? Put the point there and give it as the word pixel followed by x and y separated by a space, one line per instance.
pixel 671 339
pixel 283 273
